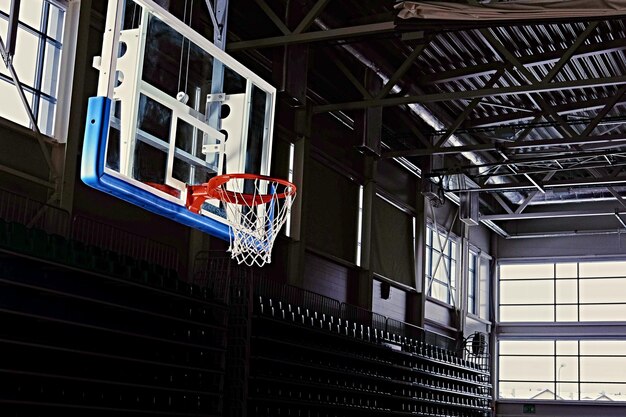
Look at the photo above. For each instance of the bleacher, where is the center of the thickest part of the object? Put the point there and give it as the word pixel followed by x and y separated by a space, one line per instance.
pixel 92 329
pixel 312 356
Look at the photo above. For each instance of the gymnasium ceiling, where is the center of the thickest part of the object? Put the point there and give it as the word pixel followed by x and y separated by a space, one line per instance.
pixel 528 115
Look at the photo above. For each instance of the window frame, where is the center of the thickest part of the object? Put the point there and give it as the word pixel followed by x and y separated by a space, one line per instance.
pixel 590 332
pixel 451 258
pixel 473 284
pixel 58 118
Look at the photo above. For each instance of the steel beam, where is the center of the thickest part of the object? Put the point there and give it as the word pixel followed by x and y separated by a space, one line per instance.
pixel 527 115
pixel 551 215
pixel 401 70
pixel 317 36
pixel 468 110
pixel 311 16
pixel 483 92
pixel 548 185
pixel 545 143
pixel 610 103
pixel 277 21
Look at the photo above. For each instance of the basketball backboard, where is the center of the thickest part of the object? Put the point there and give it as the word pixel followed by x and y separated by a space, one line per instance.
pixel 172 111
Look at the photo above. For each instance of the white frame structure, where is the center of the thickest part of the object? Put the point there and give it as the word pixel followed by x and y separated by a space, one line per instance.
pixel 121 81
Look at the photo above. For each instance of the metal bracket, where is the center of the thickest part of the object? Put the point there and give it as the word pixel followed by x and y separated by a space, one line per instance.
pixel 216 97
pixel 214 148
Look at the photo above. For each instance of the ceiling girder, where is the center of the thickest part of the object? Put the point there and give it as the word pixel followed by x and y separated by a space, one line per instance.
pixel 483 92
pixel 547 185
pixel 447 150
pixel 470 107
pixel 551 214
pixel 338 34
pixel 525 115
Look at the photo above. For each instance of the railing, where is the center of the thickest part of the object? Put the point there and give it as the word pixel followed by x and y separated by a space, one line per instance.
pixel 33 214
pixel 55 221
pixel 106 236
pixel 212 268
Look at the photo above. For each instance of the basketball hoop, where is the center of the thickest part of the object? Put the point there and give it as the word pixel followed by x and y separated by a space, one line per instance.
pixel 256 208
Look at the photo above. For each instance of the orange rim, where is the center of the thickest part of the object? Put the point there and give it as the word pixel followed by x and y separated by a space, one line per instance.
pixel 214 189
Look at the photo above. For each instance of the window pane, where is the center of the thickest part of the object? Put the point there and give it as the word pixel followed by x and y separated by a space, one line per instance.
pixel 603 392
pixel 3 31
pixel 526 347
pixel 566 313
pixel 567 391
pixel 566 291
pixel 5 5
pixel 603 312
pixel 46 117
pixel 601 290
pixel 526 313
pixel 11 106
pixel 31 14
pixel 526 271
pixel 527 292
pixel 603 347
pixel 602 269
pixel 526 390
pixel 439 291
pixel 25 57
pixel 527 368
pixel 567 368
pixel 567 347
pixel 568 270
pixel 50 74
pixel 603 369
pixel 56 17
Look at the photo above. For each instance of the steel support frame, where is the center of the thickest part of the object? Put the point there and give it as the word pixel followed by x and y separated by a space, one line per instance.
pixel 470 94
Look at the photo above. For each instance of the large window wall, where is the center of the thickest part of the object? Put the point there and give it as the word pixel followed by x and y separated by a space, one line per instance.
pixel 563 292
pixel 593 370
pixel 560 331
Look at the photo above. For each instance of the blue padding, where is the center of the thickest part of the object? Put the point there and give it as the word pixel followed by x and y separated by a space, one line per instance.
pixel 92 173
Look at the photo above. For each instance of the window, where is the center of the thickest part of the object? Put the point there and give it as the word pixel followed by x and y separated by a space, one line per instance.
pixel 472 283
pixel 441 256
pixel 563 292
pixel 37 62
pixel 590 370
pixel 555 360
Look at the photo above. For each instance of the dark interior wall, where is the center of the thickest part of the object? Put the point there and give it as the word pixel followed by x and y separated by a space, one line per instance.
pixel 480 237
pixel 323 276
pixel 20 151
pixel 394 307
pixel 332 212
pixel 396 181
pixel 570 246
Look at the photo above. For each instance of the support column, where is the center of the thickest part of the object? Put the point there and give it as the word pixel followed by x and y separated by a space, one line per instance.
pixel 366 275
pixel 416 302
pixel 67 157
pixel 369 122
pixel 302 176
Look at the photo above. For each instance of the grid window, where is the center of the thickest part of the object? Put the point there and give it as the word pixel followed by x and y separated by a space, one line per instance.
pixel 587 370
pixel 563 292
pixel 472 283
pixel 441 259
pixel 37 62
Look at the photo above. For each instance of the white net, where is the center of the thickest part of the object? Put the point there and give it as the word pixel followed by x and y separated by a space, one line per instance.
pixel 256 210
